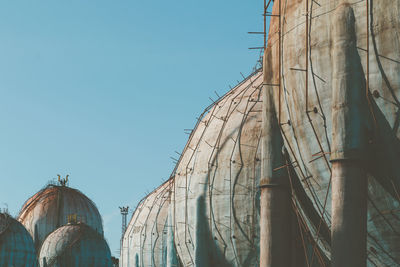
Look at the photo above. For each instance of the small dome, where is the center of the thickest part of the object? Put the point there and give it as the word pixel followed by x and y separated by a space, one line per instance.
pixel 75 245
pixel 50 208
pixel 16 244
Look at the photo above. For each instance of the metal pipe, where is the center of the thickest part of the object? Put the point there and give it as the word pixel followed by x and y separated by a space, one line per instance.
pixel 349 124
pixel 275 226
pixel 280 62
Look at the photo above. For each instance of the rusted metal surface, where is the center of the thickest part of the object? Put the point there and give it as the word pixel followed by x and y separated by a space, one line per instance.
pixel 302 61
pixel 50 207
pixel 16 244
pixel 75 245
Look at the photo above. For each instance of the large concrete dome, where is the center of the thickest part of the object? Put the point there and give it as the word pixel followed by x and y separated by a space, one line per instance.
pixel 75 245
pixel 215 197
pixel 212 214
pixel 330 119
pixel 209 207
pixel 148 239
pixel 49 209
pixel 16 244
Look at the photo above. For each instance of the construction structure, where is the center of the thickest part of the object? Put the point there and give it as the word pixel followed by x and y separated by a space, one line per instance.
pixel 296 165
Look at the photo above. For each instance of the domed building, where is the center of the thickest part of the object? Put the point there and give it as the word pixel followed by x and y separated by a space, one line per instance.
pixel 75 245
pixel 298 165
pixel 16 244
pixel 148 239
pixel 49 209
pixel 207 214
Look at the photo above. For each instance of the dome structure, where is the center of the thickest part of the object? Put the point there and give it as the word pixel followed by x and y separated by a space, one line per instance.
pixel 213 209
pixel 212 218
pixel 148 239
pixel 331 96
pixel 16 244
pixel 50 208
pixel 354 46
pixel 75 245
pixel 215 197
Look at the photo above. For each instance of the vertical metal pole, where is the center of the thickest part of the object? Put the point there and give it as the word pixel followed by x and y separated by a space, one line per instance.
pixel 124 213
pixel 367 68
pixel 265 24
pixel 349 149
pixel 367 63
pixel 306 37
pixel 280 62
pixel 275 215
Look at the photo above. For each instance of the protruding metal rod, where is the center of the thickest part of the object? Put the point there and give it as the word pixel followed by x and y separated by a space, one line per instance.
pixel 349 149
pixel 265 25
pixel 306 45
pixel 280 62
pixel 275 226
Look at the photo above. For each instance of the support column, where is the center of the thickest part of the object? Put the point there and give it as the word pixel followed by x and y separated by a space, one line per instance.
pixel 349 139
pixel 275 219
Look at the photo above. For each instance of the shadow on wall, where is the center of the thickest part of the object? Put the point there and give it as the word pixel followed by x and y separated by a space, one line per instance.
pixel 206 252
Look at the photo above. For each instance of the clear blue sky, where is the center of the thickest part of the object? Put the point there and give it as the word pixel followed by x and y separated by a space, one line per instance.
pixel 102 90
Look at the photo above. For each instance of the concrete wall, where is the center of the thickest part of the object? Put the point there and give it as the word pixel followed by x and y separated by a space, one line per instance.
pixel 309 134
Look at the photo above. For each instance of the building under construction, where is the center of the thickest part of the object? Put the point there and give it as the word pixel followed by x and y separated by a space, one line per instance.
pixel 298 164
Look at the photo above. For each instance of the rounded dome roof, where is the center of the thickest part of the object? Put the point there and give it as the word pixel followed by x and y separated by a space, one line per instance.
pixel 49 209
pixel 75 245
pixel 146 238
pixel 16 244
pixel 215 196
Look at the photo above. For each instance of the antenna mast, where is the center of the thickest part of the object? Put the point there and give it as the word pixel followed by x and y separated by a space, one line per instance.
pixel 124 213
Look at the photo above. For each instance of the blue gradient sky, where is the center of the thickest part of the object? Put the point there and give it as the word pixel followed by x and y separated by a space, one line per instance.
pixel 102 90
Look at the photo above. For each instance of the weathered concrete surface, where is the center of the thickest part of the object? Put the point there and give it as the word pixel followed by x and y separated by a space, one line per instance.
pixel 214 214
pixel 220 169
pixel 75 245
pixel 349 214
pixel 50 207
pixel 308 138
pixel 349 145
pixel 172 255
pixel 148 240
pixel 275 202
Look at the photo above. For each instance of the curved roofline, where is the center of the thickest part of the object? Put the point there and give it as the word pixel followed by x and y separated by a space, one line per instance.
pixel 84 231
pixel 199 119
pixel 8 218
pixel 29 203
